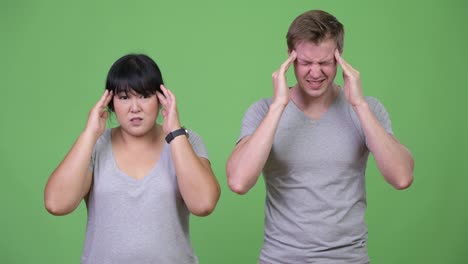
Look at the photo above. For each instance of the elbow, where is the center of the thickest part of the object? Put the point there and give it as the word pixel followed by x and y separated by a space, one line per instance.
pixel 402 180
pixel 235 184
pixel 401 177
pixel 407 178
pixel 55 208
pixel 204 209
pixel 403 183
pixel 234 180
pixel 237 187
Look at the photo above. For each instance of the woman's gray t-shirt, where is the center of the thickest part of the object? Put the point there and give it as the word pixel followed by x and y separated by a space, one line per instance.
pixel 137 221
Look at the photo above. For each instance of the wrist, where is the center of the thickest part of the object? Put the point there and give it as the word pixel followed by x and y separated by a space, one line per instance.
pixel 360 107
pixel 181 131
pixel 277 106
pixel 88 134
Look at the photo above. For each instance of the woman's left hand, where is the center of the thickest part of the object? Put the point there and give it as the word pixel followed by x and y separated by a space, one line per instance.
pixel 169 110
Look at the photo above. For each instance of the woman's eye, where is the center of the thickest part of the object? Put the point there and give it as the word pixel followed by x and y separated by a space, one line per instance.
pixel 123 97
pixel 146 96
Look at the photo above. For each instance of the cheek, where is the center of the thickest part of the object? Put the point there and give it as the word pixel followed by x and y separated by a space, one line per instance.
pixel 118 107
pixel 153 107
pixel 330 70
pixel 301 70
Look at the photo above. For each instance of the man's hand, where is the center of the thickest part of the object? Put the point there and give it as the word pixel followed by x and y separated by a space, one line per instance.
pixel 352 82
pixel 281 89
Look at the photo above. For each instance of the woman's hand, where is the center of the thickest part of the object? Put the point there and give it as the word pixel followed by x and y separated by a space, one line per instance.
pixel 171 116
pixel 98 115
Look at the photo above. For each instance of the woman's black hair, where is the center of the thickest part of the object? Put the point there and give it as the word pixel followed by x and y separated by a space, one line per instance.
pixel 136 72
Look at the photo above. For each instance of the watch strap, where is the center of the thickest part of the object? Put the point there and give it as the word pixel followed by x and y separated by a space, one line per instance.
pixel 178 132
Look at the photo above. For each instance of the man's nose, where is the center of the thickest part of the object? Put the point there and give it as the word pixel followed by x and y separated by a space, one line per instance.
pixel 315 70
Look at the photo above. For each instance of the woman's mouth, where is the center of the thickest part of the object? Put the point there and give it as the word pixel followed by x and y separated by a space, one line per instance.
pixel 136 120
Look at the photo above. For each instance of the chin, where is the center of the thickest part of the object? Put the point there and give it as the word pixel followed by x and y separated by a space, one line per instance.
pixel 315 92
pixel 137 131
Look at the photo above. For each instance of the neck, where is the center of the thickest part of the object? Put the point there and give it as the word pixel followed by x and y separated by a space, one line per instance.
pixel 148 139
pixel 307 102
pixel 314 106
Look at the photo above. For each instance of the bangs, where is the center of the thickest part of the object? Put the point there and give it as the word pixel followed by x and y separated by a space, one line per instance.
pixel 136 83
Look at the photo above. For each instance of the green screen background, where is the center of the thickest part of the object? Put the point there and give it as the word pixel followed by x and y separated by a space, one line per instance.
pixel 218 57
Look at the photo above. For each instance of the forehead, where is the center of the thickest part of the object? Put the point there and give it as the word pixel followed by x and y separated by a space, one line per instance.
pixel 310 51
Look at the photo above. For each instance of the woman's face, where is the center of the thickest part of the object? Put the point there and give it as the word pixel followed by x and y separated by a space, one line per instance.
pixel 136 113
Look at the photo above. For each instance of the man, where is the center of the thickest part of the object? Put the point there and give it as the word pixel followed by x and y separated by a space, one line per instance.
pixel 312 142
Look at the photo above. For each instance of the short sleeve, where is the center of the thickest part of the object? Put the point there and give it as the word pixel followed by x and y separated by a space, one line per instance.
pixel 253 117
pixel 197 144
pixel 380 113
pixel 98 148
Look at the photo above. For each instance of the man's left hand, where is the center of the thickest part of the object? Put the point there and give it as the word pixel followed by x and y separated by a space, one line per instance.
pixel 352 82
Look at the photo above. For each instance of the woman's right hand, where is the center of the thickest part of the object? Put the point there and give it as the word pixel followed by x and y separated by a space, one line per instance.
pixel 281 89
pixel 98 115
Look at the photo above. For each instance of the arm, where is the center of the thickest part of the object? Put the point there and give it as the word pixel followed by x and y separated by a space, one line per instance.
pixel 71 180
pixel 393 159
pixel 197 182
pixel 249 156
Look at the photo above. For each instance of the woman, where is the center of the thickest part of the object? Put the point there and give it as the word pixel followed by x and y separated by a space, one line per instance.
pixel 140 180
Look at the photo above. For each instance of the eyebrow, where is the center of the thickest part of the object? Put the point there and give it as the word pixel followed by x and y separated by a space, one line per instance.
pixel 321 61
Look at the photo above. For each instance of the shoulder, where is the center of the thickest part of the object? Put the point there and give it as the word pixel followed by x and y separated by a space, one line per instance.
pixel 260 106
pixel 376 106
pixel 192 134
pixel 197 144
pixel 263 103
pixel 373 102
pixel 104 139
pixel 194 138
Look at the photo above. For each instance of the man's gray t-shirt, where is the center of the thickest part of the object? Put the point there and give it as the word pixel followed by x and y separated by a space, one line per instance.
pixel 315 184
pixel 137 221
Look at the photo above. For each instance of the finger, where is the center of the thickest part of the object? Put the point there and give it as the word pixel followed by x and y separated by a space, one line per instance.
pixel 171 96
pixel 103 97
pixel 108 99
pixel 347 68
pixel 167 94
pixel 292 57
pixel 163 89
pixel 105 114
pixel 162 98
pixel 100 106
pixel 338 56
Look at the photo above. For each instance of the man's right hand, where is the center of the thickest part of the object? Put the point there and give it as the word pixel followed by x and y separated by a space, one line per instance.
pixel 281 89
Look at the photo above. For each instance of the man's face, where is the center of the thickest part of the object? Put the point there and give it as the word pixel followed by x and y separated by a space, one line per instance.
pixel 315 66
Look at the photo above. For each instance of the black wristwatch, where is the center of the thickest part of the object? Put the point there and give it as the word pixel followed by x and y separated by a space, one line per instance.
pixel 179 132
